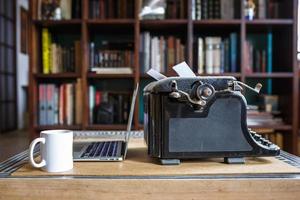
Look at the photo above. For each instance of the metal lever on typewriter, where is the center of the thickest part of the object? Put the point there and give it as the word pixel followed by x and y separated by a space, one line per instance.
pixel 237 85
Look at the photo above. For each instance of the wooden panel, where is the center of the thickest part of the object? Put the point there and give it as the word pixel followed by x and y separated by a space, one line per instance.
pixel 149 189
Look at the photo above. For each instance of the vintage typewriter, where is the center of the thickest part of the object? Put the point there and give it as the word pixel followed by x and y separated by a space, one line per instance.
pixel 200 117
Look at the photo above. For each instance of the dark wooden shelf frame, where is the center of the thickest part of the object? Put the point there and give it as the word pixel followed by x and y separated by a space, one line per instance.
pixel 186 27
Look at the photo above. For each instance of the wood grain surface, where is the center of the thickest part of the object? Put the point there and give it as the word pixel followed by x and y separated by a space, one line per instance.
pixel 149 189
pixel 138 163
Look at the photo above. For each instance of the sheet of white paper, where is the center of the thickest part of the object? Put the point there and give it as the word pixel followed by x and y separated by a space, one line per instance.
pixel 155 74
pixel 183 70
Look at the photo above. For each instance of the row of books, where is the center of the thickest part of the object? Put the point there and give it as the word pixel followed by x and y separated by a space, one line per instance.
pixel 176 9
pixel 258 53
pixel 59 9
pixel 217 55
pixel 108 107
pixel 267 9
pixel 111 61
pixel 57 58
pixel 159 52
pixel 107 9
pixel 215 9
pixel 57 104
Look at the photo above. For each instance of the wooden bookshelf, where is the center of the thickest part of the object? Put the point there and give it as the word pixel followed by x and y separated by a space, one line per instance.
pixel 86 27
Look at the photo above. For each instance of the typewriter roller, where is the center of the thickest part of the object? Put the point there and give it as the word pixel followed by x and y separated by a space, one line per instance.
pixel 200 117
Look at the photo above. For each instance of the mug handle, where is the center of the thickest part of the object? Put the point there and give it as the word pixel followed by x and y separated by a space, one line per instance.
pixel 31 148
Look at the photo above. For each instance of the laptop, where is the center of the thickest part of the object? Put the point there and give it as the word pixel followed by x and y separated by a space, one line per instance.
pixel 108 149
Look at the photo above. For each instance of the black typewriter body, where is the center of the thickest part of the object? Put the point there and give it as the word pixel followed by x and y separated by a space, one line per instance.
pixel 201 117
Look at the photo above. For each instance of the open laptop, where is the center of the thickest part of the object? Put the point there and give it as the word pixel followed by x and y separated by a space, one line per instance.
pixel 107 149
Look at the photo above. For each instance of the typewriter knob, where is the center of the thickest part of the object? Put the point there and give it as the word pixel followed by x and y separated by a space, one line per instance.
pixel 205 91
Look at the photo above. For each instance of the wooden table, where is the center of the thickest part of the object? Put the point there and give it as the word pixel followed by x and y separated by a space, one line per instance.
pixel 140 177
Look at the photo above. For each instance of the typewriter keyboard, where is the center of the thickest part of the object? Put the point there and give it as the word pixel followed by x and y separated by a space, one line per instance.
pixel 263 141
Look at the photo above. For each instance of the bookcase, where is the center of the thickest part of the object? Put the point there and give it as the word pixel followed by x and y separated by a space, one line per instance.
pixel 275 65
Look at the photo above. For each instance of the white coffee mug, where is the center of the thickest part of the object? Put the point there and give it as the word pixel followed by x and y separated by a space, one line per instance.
pixel 56 150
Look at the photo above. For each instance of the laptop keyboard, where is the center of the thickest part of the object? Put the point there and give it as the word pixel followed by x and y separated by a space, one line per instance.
pixel 101 149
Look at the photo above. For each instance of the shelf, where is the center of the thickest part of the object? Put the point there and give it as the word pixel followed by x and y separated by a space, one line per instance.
pixel 94 75
pixel 270 22
pixel 106 127
pixel 222 74
pixel 221 22
pixel 282 127
pixel 129 22
pixel 165 24
pixel 52 23
pixel 271 75
pixel 57 76
pixel 49 127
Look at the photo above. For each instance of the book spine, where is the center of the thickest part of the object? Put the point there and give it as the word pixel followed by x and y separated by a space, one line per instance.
pixel 222 56
pixel 42 108
pixel 56 105
pixel 47 104
pixel 210 9
pixel 200 56
pixel 45 49
pixel 91 103
pixel 233 52
pixel 226 56
pixel 61 104
pixel 209 65
pixel 204 9
pixel 216 55
pixel 193 9
pixel 78 100
pixel 269 60
pixel 262 9
pixel 198 10
pixel 216 9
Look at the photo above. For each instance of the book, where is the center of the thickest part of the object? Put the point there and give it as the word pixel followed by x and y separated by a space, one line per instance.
pixel 66 9
pixel 42 105
pixel 78 102
pixel 57 104
pixel 91 103
pixel 200 56
pixel 46 50
pixel 104 9
pixel 214 55
pixel 160 52
pixel 214 9
pixel 233 52
pixel 227 9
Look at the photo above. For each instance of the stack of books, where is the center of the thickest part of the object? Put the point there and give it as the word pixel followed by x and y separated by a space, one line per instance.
pixel 108 9
pixel 176 9
pixel 59 58
pixel 105 61
pixel 217 55
pixel 160 52
pixel 267 9
pixel 108 107
pixel 214 9
pixel 57 103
